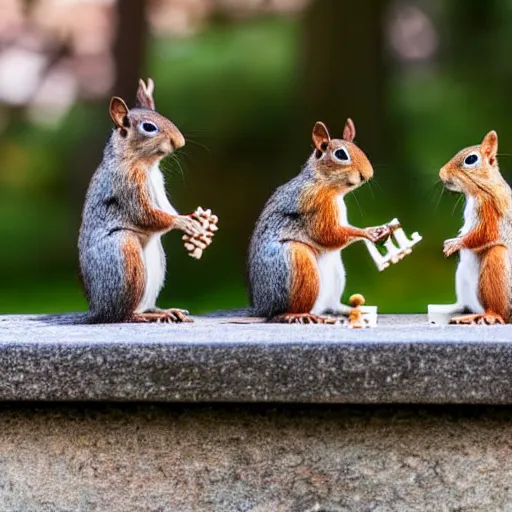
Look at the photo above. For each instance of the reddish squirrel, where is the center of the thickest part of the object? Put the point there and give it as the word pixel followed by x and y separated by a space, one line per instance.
pixel 126 211
pixel 295 271
pixel 483 278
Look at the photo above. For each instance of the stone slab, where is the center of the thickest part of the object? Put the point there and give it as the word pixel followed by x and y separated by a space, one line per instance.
pixel 232 358
pixel 172 458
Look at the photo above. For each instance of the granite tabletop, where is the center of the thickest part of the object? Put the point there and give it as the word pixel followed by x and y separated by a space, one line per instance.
pixel 232 358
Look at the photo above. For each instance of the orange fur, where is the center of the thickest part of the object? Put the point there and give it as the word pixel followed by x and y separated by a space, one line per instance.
pixel 322 222
pixel 349 132
pixel 305 282
pixel 487 230
pixel 149 218
pixel 332 177
pixel 134 272
pixel 493 288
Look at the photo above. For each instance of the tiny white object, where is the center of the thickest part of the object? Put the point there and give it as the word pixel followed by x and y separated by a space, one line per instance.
pixel 397 246
pixel 369 315
pixel 441 314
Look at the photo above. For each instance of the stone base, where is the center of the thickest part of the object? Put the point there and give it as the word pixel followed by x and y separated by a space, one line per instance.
pixel 169 458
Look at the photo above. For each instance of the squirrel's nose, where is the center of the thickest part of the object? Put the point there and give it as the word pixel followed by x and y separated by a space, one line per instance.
pixel 366 174
pixel 177 140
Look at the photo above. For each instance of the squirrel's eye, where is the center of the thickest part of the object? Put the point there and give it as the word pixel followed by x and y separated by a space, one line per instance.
pixel 341 154
pixel 472 160
pixel 148 128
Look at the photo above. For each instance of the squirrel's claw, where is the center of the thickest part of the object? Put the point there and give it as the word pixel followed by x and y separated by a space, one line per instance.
pixel 303 318
pixel 164 316
pixel 379 233
pixel 188 225
pixel 478 319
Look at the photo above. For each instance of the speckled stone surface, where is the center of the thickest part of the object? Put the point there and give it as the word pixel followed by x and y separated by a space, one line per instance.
pixel 227 359
pixel 170 458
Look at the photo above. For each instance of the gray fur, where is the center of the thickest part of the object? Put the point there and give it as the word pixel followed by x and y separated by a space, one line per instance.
pixel 105 222
pixel 506 236
pixel 269 255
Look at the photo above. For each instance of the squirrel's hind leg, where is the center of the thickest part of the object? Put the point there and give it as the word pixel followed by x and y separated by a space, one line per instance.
pixel 304 287
pixel 493 291
pixel 332 285
pixel 113 277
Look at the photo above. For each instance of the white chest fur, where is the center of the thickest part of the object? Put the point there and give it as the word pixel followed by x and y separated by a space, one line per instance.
pixel 342 210
pixel 332 272
pixel 153 253
pixel 468 270
pixel 157 190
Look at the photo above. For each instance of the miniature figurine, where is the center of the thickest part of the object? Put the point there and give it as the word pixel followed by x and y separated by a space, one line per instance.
pixel 393 253
pixel 356 319
pixel 483 278
pixel 295 270
pixel 126 211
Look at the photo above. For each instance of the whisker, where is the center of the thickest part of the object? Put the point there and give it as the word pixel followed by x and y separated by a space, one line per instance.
pixel 189 155
pixel 376 181
pixel 456 203
pixel 173 167
pixel 358 204
pixel 200 144
pixel 439 199
pixel 370 188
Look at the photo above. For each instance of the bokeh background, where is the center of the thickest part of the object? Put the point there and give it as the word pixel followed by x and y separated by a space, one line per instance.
pixel 245 80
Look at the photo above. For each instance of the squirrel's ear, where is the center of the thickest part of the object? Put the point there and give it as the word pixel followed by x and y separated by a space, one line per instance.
pixel 119 112
pixel 145 94
pixel 349 132
pixel 489 146
pixel 321 137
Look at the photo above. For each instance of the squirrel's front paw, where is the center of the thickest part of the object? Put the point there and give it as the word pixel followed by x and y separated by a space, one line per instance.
pixel 189 225
pixel 196 244
pixel 378 233
pixel 451 246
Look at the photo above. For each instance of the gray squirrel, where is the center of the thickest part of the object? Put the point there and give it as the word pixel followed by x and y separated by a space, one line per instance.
pixel 126 212
pixel 295 271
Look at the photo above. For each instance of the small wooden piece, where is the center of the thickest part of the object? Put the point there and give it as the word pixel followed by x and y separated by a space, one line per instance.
pixel 195 245
pixel 397 246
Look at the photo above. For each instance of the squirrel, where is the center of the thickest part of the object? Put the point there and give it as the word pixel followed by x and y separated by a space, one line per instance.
pixel 126 212
pixel 483 277
pixel 295 271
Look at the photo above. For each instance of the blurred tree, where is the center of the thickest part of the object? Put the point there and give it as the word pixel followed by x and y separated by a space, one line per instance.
pixel 130 50
pixel 346 73
pixel 480 20
pixel 343 67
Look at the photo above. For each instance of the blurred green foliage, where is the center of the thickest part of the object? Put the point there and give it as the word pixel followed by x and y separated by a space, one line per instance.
pixel 234 91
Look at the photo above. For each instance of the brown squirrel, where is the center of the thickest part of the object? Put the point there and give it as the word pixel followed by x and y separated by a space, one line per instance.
pixel 126 211
pixel 295 271
pixel 483 278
